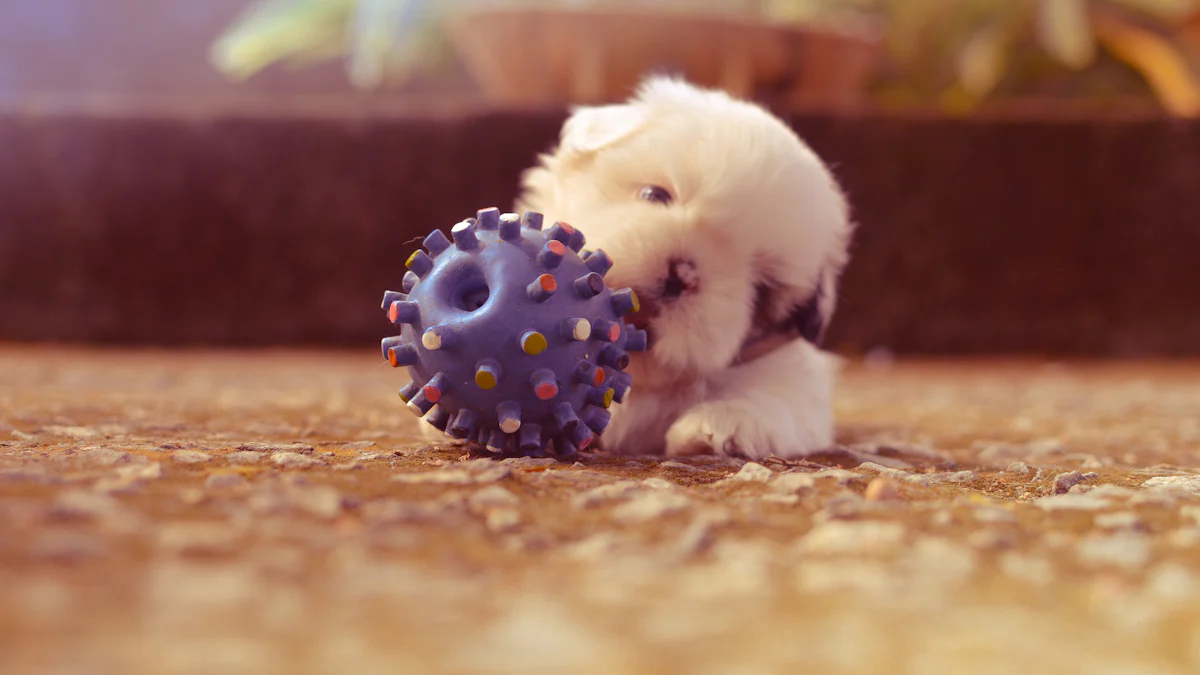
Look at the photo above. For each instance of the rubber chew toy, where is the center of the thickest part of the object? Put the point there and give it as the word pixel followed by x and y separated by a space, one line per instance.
pixel 510 335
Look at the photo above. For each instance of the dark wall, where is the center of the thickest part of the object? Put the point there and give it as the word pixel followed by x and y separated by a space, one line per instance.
pixel 152 49
pixel 1061 237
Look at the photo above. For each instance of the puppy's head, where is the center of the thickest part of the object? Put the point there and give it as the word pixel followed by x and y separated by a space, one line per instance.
pixel 724 222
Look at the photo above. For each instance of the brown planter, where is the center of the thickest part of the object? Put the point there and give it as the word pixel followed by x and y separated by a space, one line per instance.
pixel 522 57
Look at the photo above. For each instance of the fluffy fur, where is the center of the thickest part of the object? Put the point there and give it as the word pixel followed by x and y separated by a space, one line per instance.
pixel 738 273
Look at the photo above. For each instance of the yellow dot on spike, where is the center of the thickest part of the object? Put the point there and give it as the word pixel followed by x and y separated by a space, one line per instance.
pixel 637 304
pixel 485 380
pixel 533 343
pixel 411 258
pixel 608 397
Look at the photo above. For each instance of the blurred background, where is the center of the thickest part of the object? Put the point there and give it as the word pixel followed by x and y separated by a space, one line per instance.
pixel 247 173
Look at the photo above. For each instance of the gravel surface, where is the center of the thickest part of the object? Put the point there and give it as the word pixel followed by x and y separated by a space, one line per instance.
pixel 277 512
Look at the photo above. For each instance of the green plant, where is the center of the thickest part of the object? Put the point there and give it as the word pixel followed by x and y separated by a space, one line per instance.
pixel 956 54
pixel 381 40
pixel 965 53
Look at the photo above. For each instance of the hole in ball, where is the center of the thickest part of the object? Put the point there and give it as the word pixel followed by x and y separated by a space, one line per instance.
pixel 470 294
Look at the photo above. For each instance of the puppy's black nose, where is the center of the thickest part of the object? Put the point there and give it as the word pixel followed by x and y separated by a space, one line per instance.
pixel 681 277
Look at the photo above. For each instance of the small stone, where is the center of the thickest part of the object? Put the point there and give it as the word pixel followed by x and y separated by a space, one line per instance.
pixel 844 576
pixel 596 547
pixel 1072 501
pixel 939 478
pixel 1121 520
pixel 877 468
pixel 753 472
pixel 104 456
pixel 491 497
pixel 858 537
pixel 273 448
pixel 1184 537
pixel 599 495
pixel 76 432
pixel 1028 569
pixel 392 511
pixel 658 484
pixel 943 519
pixel 784 500
pixel 201 539
pixel 502 520
pixel 66 547
pixel 882 489
pixel 192 496
pixel 78 504
pixel 696 538
pixel 680 466
pixel 529 462
pixel 1176 483
pixel 1172 582
pixel 245 457
pixel 840 507
pixel 1190 514
pixel 1063 482
pixel 347 466
pixel 357 445
pixel 27 474
pixel 1018 468
pixel 149 471
pixel 292 460
pixel 322 501
pixel 1126 550
pixel 991 540
pixel 840 476
pixel 793 483
pixel 370 455
pixel 455 476
pixel 190 456
pixel 992 514
pixel 647 506
pixel 221 481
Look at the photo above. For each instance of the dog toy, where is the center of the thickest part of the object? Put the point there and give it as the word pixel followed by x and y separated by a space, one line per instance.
pixel 510 335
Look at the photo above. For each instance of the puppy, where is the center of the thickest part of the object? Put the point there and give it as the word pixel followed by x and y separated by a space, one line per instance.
pixel 733 234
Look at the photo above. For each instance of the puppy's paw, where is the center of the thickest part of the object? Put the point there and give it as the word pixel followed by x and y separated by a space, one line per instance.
pixel 732 428
pixel 742 429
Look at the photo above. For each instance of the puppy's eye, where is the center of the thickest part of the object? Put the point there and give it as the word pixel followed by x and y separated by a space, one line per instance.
pixel 655 194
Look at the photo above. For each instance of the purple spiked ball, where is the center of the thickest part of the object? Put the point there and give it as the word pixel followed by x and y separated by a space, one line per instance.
pixel 510 336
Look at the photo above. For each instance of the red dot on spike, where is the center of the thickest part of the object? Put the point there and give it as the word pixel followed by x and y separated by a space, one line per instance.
pixel 548 283
pixel 546 391
pixel 432 393
pixel 586 442
pixel 566 227
pixel 557 246
pixel 599 378
pixel 614 332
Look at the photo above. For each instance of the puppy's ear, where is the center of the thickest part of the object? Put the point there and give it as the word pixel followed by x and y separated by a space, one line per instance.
pixel 808 318
pixel 783 313
pixel 593 128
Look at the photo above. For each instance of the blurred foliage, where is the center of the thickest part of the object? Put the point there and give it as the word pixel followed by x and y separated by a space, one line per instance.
pixel 957 55
pixel 962 54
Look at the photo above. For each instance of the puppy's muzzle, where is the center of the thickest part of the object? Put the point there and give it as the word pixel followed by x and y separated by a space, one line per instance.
pixel 681 279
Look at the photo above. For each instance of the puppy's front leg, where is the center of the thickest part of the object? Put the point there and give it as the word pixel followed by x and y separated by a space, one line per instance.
pixel 780 403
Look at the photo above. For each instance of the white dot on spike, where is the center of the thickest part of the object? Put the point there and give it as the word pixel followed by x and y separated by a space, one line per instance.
pixel 415 408
pixel 431 340
pixel 510 426
pixel 582 330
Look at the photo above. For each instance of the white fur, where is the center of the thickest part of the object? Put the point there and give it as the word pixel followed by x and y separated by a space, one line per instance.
pixel 752 201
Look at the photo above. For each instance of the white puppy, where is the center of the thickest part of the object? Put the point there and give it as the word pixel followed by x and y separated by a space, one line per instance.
pixel 734 234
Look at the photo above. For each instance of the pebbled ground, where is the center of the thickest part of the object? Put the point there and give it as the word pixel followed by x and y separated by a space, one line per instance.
pixel 276 512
